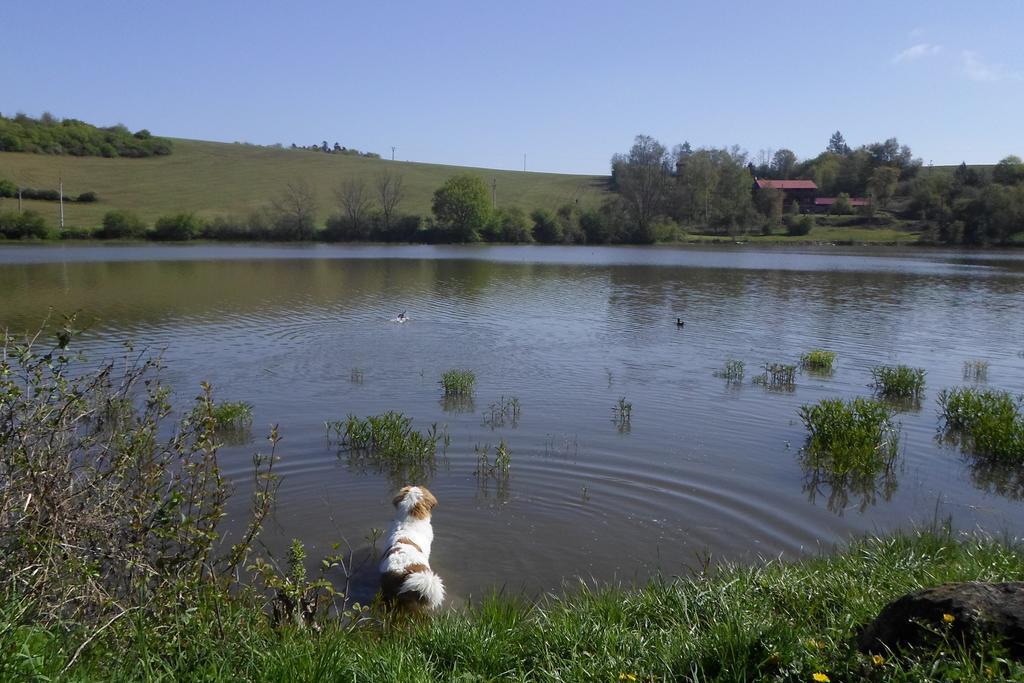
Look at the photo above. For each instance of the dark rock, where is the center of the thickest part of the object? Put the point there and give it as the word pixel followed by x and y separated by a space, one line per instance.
pixel 978 609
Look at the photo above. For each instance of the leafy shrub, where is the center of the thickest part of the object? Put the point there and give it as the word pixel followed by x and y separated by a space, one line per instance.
pixel 14 225
pixel 122 512
pixel 511 225
pixel 987 423
pixel 799 226
pixel 899 381
pixel 119 224
pixel 180 227
pixel 546 228
pixel 7 188
pixel 87 198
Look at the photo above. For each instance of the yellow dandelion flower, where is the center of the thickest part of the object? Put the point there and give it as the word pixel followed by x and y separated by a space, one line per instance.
pixel 878 660
pixel 820 677
pixel 948 618
pixel 627 677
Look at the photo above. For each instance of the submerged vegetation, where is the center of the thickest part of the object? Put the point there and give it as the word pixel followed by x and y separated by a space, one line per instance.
pixel 504 411
pixel 988 423
pixel 818 360
pixel 458 383
pixel 387 443
pixel 777 376
pixel 898 382
pixel 732 371
pixel 852 446
pixel 226 415
pixel 622 415
pixel 976 370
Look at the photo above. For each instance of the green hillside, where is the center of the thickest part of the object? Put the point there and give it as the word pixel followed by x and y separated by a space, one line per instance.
pixel 213 178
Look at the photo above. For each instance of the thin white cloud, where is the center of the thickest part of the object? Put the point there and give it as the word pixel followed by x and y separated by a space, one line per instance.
pixel 976 68
pixel 919 51
pixel 917 32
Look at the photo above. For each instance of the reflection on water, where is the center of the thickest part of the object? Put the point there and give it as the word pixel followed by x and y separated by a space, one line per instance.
pixel 307 335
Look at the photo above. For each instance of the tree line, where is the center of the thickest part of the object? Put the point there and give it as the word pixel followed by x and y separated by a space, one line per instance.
pixel 50 135
pixel 660 192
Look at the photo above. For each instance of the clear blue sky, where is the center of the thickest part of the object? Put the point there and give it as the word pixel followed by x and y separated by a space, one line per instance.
pixel 567 83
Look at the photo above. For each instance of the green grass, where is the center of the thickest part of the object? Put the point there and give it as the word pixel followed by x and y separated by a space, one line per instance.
pixel 818 360
pixel 898 382
pixel 458 383
pixel 219 179
pixel 986 423
pixel 770 621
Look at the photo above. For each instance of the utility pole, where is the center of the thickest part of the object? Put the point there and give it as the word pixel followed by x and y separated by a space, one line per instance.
pixel 19 198
pixel 494 192
pixel 392 152
pixel 60 182
pixel 524 162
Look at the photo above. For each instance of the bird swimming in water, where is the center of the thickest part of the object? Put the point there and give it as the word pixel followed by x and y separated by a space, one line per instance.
pixel 679 322
pixel 402 317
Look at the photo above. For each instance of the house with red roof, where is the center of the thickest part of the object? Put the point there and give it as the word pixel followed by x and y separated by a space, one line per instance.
pixel 800 191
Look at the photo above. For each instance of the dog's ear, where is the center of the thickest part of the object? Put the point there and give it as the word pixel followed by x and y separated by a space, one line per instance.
pixel 401 495
pixel 429 499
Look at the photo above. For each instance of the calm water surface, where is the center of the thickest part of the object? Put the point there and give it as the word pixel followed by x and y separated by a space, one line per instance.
pixel 705 467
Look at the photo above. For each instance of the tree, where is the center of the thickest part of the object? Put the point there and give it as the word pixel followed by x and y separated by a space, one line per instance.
pixel 463 206
pixel 389 194
pixel 837 145
pixel 179 227
pixel 1009 171
pixel 644 179
pixel 882 184
pixel 841 206
pixel 512 225
pixel 355 203
pixel 546 227
pixel 769 201
pixel 119 224
pixel 296 210
pixel 783 163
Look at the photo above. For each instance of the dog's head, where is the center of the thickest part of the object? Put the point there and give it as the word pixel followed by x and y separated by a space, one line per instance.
pixel 415 501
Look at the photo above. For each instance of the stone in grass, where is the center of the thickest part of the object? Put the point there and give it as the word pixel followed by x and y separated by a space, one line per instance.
pixel 976 608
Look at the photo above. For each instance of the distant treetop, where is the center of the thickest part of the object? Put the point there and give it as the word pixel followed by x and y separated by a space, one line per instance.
pixel 50 135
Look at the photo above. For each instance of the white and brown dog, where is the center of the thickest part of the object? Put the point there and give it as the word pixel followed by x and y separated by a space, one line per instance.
pixel 405 575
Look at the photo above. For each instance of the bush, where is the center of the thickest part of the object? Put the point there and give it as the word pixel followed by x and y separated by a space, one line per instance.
pixel 87 198
pixel 546 228
pixel 856 436
pixel 120 224
pixel 458 382
pixel 511 225
pixel 180 227
pixel 818 360
pixel 8 189
pixel 841 206
pixel 799 226
pixel 14 225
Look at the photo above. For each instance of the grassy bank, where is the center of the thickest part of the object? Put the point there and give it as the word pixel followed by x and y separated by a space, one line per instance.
pixel 770 621
pixel 218 179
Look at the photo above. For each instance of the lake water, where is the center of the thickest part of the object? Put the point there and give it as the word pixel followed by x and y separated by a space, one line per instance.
pixel 705 467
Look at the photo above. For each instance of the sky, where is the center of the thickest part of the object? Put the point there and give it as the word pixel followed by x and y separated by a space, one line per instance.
pixel 567 84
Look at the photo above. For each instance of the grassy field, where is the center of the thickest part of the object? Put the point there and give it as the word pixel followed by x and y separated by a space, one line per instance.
pixel 213 178
pixel 774 621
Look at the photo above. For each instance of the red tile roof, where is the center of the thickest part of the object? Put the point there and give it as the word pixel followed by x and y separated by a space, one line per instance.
pixel 829 201
pixel 788 184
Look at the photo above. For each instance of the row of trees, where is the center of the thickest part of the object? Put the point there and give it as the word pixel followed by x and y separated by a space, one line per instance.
pixel 971 206
pixel 337 149
pixel 50 135
pixel 9 189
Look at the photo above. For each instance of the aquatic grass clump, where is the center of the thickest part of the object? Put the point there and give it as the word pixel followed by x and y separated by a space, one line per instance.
pixel 226 415
pixel 356 376
pixel 622 415
pixel 845 437
pixel 818 360
pixel 505 411
pixel 389 444
pixel 777 376
pixel 458 383
pixel 985 423
pixel 975 371
pixel 732 371
pixel 898 382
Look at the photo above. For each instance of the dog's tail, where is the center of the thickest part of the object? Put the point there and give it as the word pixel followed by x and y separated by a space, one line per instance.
pixel 426 585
